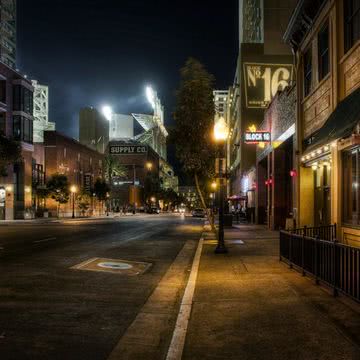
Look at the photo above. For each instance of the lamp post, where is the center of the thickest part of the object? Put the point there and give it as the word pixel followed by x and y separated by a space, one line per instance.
pixel 108 204
pixel 73 190
pixel 221 133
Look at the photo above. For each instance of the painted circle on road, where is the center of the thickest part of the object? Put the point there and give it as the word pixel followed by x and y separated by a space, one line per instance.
pixel 115 265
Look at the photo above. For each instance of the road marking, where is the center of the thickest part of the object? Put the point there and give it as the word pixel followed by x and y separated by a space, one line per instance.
pixel 178 339
pixel 44 240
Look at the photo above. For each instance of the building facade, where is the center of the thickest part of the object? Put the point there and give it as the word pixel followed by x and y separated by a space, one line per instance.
pixel 264 67
pixel 8 32
pixel 121 127
pixel 41 112
pixel 81 165
pixel 325 36
pixel 16 122
pixel 94 129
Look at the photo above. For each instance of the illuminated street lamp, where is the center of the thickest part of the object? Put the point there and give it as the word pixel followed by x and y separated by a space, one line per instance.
pixel 221 134
pixel 214 185
pixel 149 166
pixel 73 190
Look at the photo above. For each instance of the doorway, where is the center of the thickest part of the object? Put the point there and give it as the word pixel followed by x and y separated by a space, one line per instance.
pixel 322 200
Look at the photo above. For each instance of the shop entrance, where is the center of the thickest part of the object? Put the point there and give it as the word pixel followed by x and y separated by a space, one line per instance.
pixel 322 203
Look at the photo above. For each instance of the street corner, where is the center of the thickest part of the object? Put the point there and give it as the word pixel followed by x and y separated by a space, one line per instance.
pixel 114 266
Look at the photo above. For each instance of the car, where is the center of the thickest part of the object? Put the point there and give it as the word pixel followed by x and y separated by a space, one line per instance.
pixel 198 213
pixel 154 210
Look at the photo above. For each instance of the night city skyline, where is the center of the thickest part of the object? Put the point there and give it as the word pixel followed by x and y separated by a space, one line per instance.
pixel 92 53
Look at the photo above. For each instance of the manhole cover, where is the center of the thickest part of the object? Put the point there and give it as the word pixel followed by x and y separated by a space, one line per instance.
pixel 115 266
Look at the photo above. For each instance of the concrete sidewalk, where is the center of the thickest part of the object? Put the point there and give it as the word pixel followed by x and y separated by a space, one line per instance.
pixel 248 305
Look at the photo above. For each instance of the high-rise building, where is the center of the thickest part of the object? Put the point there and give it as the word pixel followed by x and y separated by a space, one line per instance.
pixel 264 67
pixel 41 112
pixel 220 101
pixel 8 32
pixel 93 129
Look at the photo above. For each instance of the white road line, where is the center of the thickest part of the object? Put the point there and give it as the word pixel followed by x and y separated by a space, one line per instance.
pixel 44 240
pixel 178 339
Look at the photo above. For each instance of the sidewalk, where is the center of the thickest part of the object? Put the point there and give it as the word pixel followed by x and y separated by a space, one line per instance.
pixel 248 305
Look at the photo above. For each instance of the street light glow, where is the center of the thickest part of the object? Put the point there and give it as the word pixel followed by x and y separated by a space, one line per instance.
pixel 149 165
pixel 221 130
pixel 150 94
pixel 73 189
pixel 107 112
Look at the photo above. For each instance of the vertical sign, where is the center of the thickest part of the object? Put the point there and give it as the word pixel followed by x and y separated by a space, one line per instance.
pixel 263 81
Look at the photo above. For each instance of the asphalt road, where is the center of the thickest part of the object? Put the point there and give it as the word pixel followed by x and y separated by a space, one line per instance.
pixel 50 311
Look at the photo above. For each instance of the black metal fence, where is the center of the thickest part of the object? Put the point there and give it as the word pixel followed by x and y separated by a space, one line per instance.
pixel 335 264
pixel 327 232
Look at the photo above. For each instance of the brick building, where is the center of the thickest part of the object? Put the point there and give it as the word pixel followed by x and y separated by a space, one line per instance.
pixel 81 165
pixel 16 121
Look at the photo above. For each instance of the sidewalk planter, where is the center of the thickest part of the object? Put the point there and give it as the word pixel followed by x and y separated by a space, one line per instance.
pixel 332 263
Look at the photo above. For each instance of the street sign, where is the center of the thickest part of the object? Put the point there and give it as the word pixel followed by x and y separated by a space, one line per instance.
pixel 256 137
pixel 128 149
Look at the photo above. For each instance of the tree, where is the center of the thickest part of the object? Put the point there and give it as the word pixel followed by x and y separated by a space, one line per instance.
pixel 101 190
pixel 10 153
pixel 194 120
pixel 113 168
pixel 59 189
pixel 83 202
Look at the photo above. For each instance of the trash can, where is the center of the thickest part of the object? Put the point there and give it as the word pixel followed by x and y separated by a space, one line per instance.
pixel 228 219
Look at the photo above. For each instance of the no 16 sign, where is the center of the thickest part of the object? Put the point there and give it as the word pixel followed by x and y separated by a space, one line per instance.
pixel 263 81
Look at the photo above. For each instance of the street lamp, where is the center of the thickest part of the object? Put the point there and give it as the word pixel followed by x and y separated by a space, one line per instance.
pixel 149 165
pixel 73 190
pixel 108 204
pixel 221 134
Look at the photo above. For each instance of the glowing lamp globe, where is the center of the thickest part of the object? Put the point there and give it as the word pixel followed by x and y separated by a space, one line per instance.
pixel 221 130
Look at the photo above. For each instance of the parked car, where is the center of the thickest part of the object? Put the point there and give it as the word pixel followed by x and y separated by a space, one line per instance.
pixel 154 210
pixel 198 213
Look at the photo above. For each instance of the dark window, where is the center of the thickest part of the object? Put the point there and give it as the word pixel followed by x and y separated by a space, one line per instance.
pixel 323 48
pixel 351 22
pixel 3 91
pixel 3 123
pixel 307 72
pixel 351 192
pixel 23 129
pixel 23 99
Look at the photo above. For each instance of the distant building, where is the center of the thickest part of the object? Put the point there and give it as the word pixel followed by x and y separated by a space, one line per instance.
pixel 81 165
pixel 93 129
pixel 16 121
pixel 41 112
pixel 220 101
pixel 8 32
pixel 121 127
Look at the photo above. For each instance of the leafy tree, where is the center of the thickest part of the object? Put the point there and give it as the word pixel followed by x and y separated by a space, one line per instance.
pixel 83 202
pixel 101 190
pixel 10 153
pixel 194 120
pixel 113 168
pixel 59 189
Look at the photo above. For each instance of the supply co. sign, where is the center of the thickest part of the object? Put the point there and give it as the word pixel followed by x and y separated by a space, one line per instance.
pixel 263 81
pixel 127 149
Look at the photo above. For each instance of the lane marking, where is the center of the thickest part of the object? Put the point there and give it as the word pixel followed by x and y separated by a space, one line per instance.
pixel 178 339
pixel 44 240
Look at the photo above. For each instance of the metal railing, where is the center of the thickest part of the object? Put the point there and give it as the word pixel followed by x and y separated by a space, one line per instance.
pixel 332 263
pixel 327 232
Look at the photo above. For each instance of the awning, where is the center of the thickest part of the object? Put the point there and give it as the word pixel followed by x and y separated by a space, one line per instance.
pixel 237 197
pixel 340 124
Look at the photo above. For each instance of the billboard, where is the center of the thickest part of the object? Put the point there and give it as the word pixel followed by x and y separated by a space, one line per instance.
pixel 263 81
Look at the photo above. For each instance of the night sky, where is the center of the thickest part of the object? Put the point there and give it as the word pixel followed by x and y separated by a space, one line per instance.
pixel 95 52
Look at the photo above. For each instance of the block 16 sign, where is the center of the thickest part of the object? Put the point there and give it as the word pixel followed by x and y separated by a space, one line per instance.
pixel 256 137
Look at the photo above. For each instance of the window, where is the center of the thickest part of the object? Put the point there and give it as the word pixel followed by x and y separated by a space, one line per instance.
pixel 351 191
pixel 323 49
pixel 23 99
pixel 23 129
pixel 3 91
pixel 3 123
pixel 307 72
pixel 351 23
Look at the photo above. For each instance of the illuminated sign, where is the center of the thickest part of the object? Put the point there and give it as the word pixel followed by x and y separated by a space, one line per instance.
pixel 256 137
pixel 127 149
pixel 263 81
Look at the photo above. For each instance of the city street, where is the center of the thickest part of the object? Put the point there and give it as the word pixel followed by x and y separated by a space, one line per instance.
pixel 50 311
